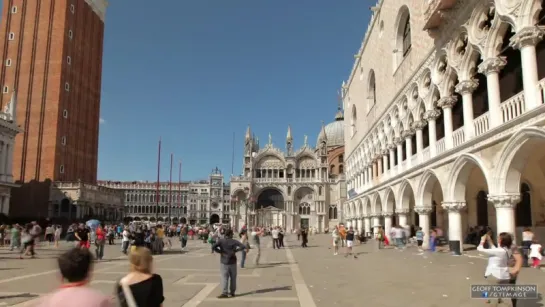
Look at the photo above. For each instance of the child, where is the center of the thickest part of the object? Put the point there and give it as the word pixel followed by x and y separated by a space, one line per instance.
pixel 535 254
pixel 419 238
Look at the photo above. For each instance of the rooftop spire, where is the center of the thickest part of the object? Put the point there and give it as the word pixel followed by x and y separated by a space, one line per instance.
pixel 248 133
pixel 289 138
pixel 340 114
pixel 323 135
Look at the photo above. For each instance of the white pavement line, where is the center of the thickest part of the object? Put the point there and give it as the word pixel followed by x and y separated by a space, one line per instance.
pixel 256 299
pixel 3 281
pixel 305 298
pixel 201 296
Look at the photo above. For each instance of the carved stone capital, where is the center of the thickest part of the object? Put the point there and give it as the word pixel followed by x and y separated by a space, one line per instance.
pixel 399 141
pixel 373 215
pixel 391 146
pixel 419 125
pixel 529 36
pixel 454 206
pixel 492 65
pixel 432 114
pixel 387 214
pixel 407 133
pixel 447 102
pixel 504 201
pixel 467 86
pixel 402 211
pixel 385 152
pixel 423 210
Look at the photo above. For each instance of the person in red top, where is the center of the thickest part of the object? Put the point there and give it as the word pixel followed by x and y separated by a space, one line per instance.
pixel 100 241
pixel 82 235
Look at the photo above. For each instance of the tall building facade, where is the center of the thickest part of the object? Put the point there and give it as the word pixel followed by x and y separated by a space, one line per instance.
pixel 446 125
pixel 52 57
pixel 292 188
pixel 194 202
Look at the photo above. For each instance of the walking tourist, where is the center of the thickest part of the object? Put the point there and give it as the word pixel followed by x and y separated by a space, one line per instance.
pixel 381 238
pixel 125 241
pixel 419 238
pixel 75 267
pixel 83 236
pixel 183 236
pixel 536 253
pixel 504 261
pixel 256 243
pixel 336 240
pixel 399 235
pixel 49 234
pixel 100 241
pixel 304 237
pixel 227 248
pixel 244 241
pixel 28 242
pixel 58 233
pixel 350 242
pixel 15 241
pixel 141 287
pixel 275 233
pixel 527 240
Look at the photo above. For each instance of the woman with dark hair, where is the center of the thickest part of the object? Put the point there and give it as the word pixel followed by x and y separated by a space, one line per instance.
pixel 504 261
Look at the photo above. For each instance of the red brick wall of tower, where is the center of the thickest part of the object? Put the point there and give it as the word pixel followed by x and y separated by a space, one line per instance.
pixel 55 52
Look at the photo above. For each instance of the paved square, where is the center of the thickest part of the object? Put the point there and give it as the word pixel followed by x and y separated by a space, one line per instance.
pixel 288 277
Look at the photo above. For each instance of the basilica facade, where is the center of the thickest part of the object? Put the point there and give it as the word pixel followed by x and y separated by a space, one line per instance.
pixel 447 130
pixel 291 188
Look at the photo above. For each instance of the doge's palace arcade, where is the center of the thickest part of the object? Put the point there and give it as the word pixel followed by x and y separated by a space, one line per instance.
pixel 447 129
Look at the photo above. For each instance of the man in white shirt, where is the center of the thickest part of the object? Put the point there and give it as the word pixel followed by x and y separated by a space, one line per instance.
pixel 275 232
pixel 125 241
pixel 399 234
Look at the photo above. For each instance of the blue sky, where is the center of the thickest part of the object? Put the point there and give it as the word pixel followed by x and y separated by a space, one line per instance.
pixel 194 72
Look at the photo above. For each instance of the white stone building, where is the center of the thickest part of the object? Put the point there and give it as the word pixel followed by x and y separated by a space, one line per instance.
pixel 446 117
pixel 194 202
pixel 292 189
pixel 8 130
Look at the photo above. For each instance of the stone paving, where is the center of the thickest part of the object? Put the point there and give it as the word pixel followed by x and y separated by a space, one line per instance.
pixel 289 277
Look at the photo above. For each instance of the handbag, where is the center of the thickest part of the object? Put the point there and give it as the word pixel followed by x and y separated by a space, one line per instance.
pixel 129 298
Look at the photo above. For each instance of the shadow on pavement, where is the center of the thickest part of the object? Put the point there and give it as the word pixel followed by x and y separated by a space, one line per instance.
pixel 273 264
pixel 267 290
pixel 22 295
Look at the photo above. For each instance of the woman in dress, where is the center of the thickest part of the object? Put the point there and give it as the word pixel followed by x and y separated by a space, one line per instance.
pixel 141 287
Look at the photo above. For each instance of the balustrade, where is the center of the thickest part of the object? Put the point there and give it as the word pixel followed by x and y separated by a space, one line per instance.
pixel 512 107
pixel 458 136
pixel 440 145
pixel 482 124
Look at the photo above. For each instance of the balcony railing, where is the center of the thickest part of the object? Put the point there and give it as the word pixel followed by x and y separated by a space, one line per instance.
pixel 510 110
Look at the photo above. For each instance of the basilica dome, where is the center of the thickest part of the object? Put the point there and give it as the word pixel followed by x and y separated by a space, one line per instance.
pixel 334 132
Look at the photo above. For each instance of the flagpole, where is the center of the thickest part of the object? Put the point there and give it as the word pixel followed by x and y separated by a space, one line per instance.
pixel 180 188
pixel 233 157
pixel 170 190
pixel 158 181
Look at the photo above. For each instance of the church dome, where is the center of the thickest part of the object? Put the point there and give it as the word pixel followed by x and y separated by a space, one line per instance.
pixel 334 132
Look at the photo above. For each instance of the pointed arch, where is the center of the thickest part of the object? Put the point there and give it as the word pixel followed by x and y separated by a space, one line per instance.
pixel 425 188
pixel 366 206
pixel 512 159
pixel 389 201
pixel 406 190
pixel 376 203
pixel 459 175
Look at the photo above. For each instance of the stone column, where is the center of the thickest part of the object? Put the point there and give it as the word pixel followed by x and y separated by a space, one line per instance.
pixel 526 40
pixel 385 153
pixel 446 103
pixel 402 216
pixel 466 89
pixel 388 224
pixel 505 212
pixel 5 205
pixel 375 170
pixel 491 68
pixel 418 126
pixel 367 224
pixel 378 162
pixel 359 223
pixel 424 221
pixel 391 148
pixel 454 209
pixel 375 222
pixel 399 143
pixel 430 117
pixel 4 162
pixel 407 135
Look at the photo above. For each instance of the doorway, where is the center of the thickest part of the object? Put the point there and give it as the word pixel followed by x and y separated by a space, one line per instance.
pixel 304 223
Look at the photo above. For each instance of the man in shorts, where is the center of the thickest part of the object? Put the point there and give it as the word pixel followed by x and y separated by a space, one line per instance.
pixel 82 235
pixel 350 235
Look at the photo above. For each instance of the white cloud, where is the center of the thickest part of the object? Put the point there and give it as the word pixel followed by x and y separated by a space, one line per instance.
pixel 102 120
